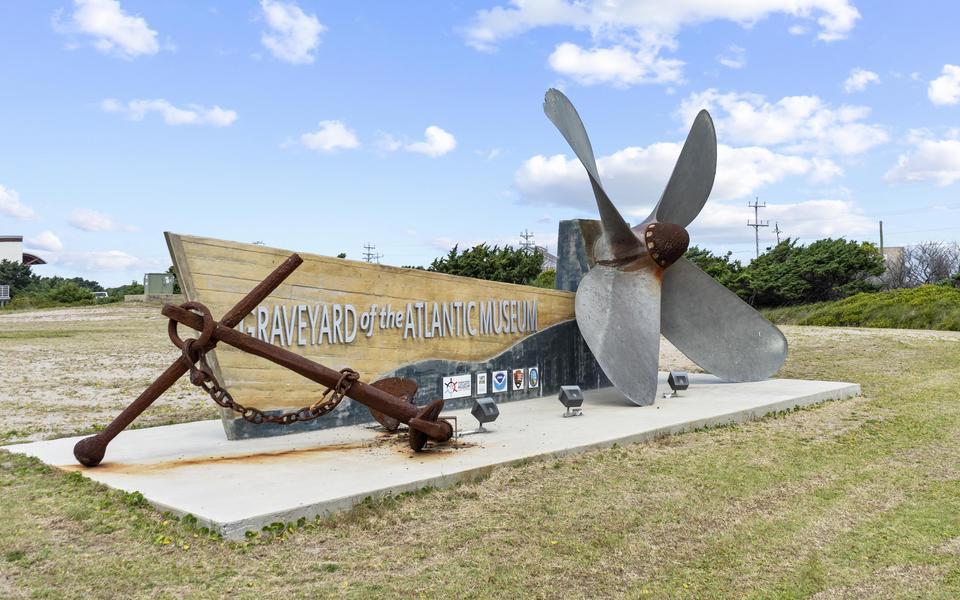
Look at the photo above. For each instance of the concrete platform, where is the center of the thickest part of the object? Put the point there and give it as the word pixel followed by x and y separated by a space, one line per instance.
pixel 235 486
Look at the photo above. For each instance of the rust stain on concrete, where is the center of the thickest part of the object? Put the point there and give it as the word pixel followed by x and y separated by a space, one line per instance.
pixel 228 459
pixel 397 442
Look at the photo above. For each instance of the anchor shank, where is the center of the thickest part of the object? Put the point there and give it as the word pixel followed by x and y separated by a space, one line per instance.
pixel 89 451
pixel 361 392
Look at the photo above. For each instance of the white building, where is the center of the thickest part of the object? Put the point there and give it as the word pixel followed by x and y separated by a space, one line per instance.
pixel 11 248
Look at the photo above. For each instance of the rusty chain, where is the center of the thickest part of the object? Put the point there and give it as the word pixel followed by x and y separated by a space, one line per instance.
pixel 203 377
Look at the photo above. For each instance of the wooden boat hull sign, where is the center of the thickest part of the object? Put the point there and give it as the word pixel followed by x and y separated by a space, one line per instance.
pixel 450 334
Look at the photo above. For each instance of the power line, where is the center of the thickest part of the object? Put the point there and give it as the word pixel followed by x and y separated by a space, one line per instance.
pixel 757 223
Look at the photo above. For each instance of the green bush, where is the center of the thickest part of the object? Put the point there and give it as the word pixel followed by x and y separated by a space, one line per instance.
pixel 70 293
pixel 924 307
pixel 507 264
pixel 726 271
pixel 133 288
pixel 792 274
pixel 827 269
pixel 547 279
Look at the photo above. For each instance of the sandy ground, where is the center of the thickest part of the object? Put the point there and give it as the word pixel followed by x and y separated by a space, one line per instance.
pixel 67 371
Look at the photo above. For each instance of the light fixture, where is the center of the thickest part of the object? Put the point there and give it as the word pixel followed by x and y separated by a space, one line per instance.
pixel 484 410
pixel 678 381
pixel 572 398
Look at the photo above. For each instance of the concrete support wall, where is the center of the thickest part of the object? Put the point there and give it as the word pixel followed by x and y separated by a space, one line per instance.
pixel 574 251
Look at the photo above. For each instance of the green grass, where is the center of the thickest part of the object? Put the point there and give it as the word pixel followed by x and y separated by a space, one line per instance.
pixel 924 307
pixel 849 499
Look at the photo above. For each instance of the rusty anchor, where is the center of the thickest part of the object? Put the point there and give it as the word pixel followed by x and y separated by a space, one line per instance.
pixel 389 400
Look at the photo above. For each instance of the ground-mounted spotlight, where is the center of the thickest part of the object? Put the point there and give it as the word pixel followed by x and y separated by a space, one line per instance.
pixel 678 381
pixel 572 398
pixel 484 410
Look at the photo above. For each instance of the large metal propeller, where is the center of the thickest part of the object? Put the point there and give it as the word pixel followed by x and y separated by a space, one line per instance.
pixel 640 285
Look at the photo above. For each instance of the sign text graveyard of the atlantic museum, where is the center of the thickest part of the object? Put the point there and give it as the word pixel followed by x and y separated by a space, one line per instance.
pixel 322 323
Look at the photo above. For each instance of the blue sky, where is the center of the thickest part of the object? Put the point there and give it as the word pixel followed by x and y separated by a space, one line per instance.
pixel 319 126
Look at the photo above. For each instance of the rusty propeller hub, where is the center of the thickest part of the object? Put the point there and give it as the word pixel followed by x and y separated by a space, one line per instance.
pixel 665 242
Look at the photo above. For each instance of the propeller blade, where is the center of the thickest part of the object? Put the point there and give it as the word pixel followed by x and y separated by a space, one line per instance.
pixel 717 330
pixel 618 313
pixel 692 178
pixel 564 116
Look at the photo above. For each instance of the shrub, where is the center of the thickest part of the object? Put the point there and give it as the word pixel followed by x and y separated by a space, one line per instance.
pixel 924 307
pixel 507 264
pixel 827 269
pixel 69 293
pixel 547 279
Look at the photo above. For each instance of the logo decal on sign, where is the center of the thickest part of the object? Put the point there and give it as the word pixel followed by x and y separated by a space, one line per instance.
pixel 481 384
pixel 517 379
pixel 457 386
pixel 500 380
pixel 533 378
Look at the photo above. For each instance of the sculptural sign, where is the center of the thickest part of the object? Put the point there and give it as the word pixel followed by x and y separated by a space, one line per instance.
pixel 382 321
pixel 448 336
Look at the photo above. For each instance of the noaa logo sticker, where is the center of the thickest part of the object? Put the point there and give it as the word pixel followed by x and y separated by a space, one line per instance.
pixel 499 381
pixel 533 378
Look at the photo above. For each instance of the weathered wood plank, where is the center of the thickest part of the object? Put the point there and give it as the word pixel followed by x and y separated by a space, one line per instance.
pixel 218 273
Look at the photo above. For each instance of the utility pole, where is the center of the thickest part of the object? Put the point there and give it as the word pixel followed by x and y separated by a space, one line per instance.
pixel 777 230
pixel 881 237
pixel 369 255
pixel 527 242
pixel 757 223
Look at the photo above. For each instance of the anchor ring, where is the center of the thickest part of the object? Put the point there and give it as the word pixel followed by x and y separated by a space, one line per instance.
pixel 205 334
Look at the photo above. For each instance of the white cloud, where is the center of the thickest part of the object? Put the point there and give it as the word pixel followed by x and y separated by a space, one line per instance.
pixel 930 160
pixel 102 260
pixel 628 36
pixel 618 66
pixel 193 114
pixel 45 240
pixel 945 90
pixel 489 154
pixel 735 57
pixel 859 79
pixel 800 123
pixel 114 31
pixel 437 142
pixel 720 222
pixel 635 176
pixel 330 137
pixel 294 35
pixel 11 206
pixel 86 219
pixel 388 143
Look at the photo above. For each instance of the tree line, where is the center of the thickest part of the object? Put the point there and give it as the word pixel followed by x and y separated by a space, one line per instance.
pixel 792 273
pixel 507 264
pixel 787 274
pixel 29 290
